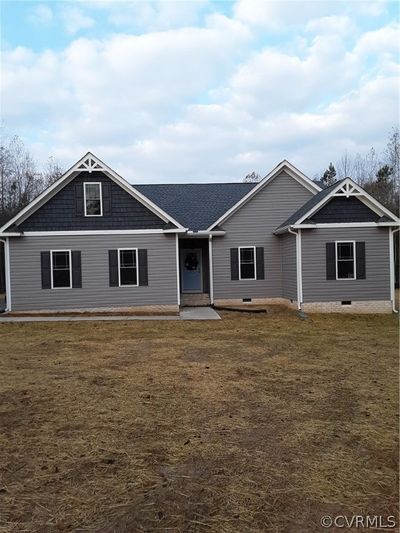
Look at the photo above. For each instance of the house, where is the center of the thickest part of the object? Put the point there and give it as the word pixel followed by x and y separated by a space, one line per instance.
pixel 92 241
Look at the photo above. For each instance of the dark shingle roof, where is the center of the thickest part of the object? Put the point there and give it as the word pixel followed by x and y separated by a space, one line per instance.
pixel 195 205
pixel 307 206
pixel 320 184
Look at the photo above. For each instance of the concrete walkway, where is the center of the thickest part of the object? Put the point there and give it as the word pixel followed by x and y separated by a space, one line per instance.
pixel 187 313
pixel 198 313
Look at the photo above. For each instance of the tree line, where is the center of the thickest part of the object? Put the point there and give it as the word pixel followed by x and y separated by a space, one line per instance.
pixel 20 178
pixel 378 174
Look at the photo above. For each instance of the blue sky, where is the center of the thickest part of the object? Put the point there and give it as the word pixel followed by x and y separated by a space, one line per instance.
pixel 200 91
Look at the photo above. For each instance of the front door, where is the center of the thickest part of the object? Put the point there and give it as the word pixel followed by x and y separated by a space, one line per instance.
pixel 191 269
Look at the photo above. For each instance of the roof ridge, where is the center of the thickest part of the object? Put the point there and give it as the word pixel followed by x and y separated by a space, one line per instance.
pixel 203 183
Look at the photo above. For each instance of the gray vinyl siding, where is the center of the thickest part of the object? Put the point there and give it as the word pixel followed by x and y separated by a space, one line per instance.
pixel 60 212
pixel 27 294
pixel 376 286
pixel 289 267
pixel 253 225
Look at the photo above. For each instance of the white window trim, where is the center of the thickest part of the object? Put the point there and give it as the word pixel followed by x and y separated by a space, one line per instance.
pixel 70 269
pixel 137 267
pixel 101 197
pixel 354 260
pixel 240 264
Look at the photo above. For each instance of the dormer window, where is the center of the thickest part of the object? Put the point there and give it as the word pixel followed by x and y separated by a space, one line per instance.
pixel 93 199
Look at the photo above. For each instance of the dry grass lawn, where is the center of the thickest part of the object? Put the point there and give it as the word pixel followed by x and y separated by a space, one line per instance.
pixel 255 423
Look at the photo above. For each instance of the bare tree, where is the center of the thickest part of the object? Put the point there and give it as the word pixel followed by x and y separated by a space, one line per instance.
pixel 20 179
pixel 345 166
pixel 52 172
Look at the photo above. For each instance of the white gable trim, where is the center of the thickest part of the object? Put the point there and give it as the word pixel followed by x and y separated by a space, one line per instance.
pixel 284 165
pixel 348 188
pixel 88 163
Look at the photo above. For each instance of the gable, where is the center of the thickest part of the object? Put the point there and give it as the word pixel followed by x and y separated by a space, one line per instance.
pixel 283 169
pixel 60 212
pixel 343 209
pixel 271 206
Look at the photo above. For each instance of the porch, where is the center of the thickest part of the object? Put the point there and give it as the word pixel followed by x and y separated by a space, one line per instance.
pixel 194 272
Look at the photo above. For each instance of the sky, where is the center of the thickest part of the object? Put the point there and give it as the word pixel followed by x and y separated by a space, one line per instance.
pixel 200 91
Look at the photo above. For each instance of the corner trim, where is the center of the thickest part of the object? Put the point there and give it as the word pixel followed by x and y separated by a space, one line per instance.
pixel 211 267
pixel 299 267
pixel 7 273
pixel 178 283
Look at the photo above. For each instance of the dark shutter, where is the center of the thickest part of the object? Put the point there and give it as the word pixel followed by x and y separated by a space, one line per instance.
pixel 143 274
pixel 330 260
pixel 234 263
pixel 79 199
pixel 113 266
pixel 46 274
pixel 76 270
pixel 260 262
pixel 106 195
pixel 360 260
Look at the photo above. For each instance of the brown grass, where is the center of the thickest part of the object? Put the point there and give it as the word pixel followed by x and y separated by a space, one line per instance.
pixel 255 423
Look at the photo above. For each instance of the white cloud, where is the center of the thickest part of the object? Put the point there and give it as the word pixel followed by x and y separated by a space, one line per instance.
pixel 75 20
pixel 198 103
pixel 379 41
pixel 281 15
pixel 41 14
pixel 155 16
pixel 337 24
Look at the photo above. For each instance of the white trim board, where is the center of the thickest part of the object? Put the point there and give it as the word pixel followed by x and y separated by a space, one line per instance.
pixel 299 267
pixel 178 281
pixel 81 166
pixel 211 267
pixel 7 272
pixel 337 225
pixel 283 165
pixel 91 232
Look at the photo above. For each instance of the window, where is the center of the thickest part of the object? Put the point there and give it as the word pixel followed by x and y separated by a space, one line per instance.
pixel 93 200
pixel 61 269
pixel 127 267
pixel 345 260
pixel 247 267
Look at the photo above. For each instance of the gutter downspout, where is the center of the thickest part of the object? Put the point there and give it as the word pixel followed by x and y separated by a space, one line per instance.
pixel 392 273
pixel 298 269
pixel 177 266
pixel 7 273
pixel 210 261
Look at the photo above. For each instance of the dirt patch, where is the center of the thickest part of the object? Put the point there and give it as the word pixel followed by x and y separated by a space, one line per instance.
pixel 195 355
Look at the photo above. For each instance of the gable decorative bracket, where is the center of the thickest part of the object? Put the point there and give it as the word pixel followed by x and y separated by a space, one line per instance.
pixel 90 165
pixel 347 190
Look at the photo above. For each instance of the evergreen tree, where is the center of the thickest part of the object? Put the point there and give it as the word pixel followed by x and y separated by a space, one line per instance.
pixel 328 177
